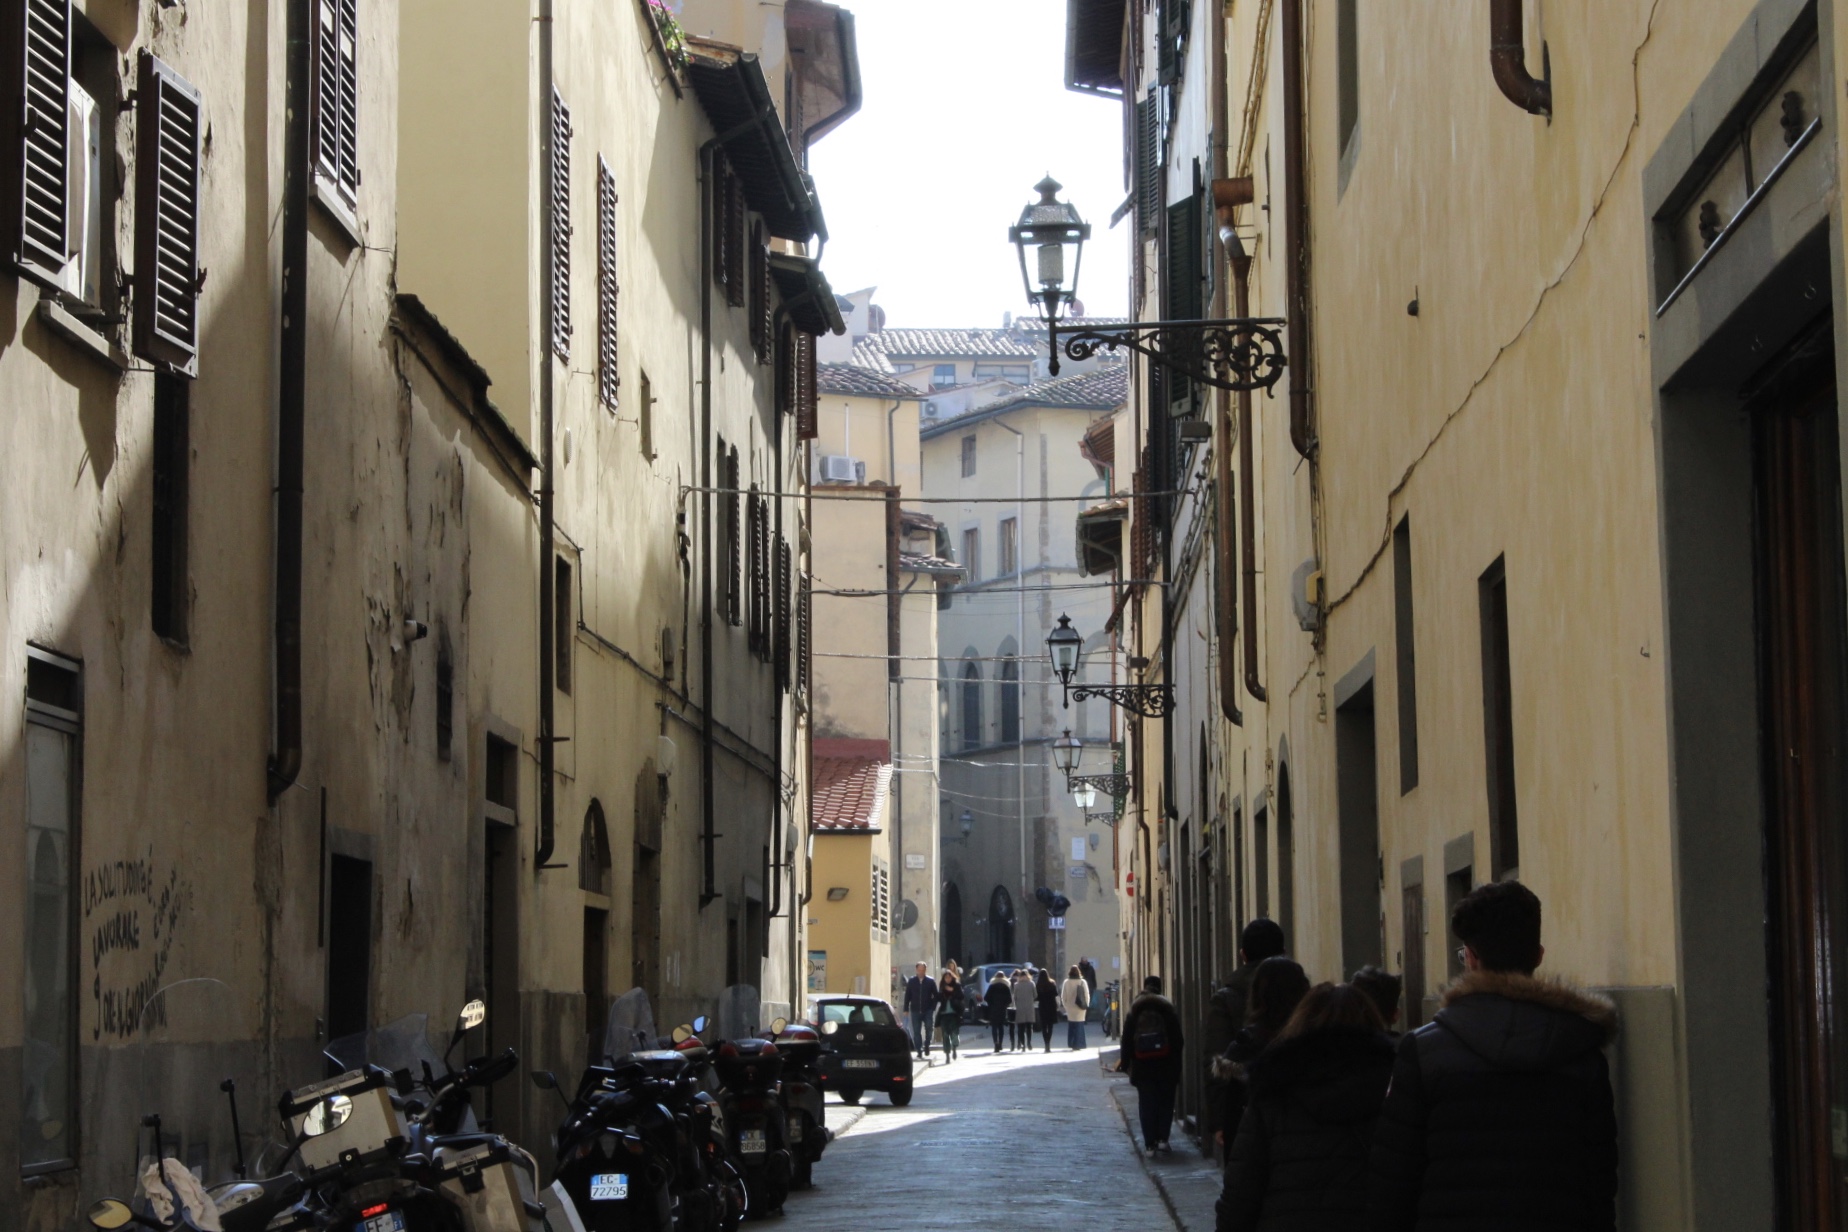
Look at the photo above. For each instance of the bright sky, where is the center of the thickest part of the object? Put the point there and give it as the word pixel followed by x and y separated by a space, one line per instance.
pixel 966 108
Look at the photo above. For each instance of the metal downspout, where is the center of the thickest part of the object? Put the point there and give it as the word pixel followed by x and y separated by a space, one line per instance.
pixel 548 633
pixel 1508 61
pixel 1247 498
pixel 708 839
pixel 1296 229
pixel 285 762
pixel 1224 584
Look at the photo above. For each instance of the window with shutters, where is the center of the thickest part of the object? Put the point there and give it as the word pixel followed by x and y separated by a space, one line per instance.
pixel 1148 164
pixel 762 310
pixel 38 137
pixel 728 227
pixel 760 579
pixel 780 651
pixel 609 380
pixel 1173 18
pixel 728 553
pixel 805 620
pixel 168 122
pixel 968 456
pixel 336 106
pixel 87 283
pixel 560 155
pixel 1183 294
pixel 808 391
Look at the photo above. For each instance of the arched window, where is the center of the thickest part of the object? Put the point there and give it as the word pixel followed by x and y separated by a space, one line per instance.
pixel 1000 926
pixel 971 707
pixel 1010 702
pixel 594 852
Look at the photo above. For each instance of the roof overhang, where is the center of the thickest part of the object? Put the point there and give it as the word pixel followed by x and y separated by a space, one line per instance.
pixel 807 297
pixel 737 100
pixel 1094 47
pixel 826 53
pixel 1100 536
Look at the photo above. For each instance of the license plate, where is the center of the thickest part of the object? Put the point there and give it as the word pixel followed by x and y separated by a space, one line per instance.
pixel 857 1064
pixel 795 1129
pixel 609 1186
pixel 751 1141
pixel 390 1221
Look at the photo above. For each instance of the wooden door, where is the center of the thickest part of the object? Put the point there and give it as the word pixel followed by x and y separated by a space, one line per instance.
pixel 1801 658
pixel 1414 952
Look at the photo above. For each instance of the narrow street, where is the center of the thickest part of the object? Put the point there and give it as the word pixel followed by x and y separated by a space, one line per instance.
pixel 988 1142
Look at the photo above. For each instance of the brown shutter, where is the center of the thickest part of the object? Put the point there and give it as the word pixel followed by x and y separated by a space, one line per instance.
pixel 762 317
pixel 805 616
pixel 733 549
pixel 336 98
pixel 782 648
pixel 808 417
pixel 608 378
pixel 734 240
pixel 37 135
pixel 560 154
pixel 167 275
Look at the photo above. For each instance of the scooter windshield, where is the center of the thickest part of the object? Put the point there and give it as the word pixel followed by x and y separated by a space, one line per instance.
pixel 631 1026
pixel 188 1044
pixel 404 1044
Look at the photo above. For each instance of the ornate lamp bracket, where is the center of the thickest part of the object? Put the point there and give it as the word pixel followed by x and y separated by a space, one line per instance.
pixel 1236 353
pixel 1115 786
pixel 1151 701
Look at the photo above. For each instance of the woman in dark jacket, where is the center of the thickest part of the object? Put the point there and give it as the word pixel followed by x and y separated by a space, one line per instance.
pixel 1299 1163
pixel 1277 987
pixel 949 1012
pixel 1000 1002
pixel 1048 994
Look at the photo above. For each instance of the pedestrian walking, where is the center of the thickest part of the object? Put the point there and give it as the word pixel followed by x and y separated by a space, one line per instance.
pixel 1088 974
pixel 1075 1000
pixel 1151 1056
pixel 1226 1009
pixel 1046 993
pixel 1384 987
pixel 1277 988
pixel 1500 1113
pixel 999 999
pixel 1026 1006
pixel 921 1004
pixel 950 1011
pixel 1299 1162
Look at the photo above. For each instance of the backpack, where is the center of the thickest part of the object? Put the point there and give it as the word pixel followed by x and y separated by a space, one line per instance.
pixel 1151 1045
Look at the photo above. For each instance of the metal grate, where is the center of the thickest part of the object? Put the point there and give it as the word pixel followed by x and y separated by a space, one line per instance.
pixel 167 274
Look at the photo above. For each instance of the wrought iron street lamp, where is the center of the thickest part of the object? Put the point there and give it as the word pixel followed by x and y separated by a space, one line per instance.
pixel 1067 751
pixel 1235 353
pixel 1065 646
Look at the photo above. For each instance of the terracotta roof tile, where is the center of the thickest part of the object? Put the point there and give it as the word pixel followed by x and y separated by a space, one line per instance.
pixel 853 779
pixel 851 379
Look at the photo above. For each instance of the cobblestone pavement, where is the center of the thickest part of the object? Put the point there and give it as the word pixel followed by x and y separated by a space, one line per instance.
pixel 1002 1142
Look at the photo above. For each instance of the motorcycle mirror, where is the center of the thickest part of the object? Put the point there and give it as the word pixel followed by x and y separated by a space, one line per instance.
pixel 777 1025
pixel 327 1116
pixel 682 1033
pixel 111 1213
pixel 830 1027
pixel 545 1080
pixel 699 1024
pixel 473 1015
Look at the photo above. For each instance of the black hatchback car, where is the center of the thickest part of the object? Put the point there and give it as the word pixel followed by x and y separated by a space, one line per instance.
pixel 863 1048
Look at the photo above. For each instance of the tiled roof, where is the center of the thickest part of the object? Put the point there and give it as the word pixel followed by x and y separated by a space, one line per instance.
pixel 852 379
pixel 1104 387
pixel 853 779
pixel 951 344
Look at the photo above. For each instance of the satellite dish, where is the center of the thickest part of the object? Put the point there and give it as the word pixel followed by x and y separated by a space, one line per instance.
pixel 907 915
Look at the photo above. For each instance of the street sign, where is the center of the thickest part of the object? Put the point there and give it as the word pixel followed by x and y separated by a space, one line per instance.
pixel 1056 923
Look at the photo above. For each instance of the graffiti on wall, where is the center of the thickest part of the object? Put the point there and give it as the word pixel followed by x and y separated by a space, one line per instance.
pixel 131 911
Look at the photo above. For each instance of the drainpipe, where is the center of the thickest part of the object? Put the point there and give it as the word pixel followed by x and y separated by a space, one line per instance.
pixel 1508 61
pixel 548 649
pixel 707 838
pixel 1296 228
pixel 292 362
pixel 1224 584
pixel 1247 499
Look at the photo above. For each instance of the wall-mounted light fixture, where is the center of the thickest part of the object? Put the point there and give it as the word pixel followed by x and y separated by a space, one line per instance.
pixel 836 893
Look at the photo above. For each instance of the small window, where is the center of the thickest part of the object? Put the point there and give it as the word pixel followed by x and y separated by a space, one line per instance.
pixel 644 417
pixel 594 851
pixel 53 771
pixel 1347 72
pixel 88 278
pixel 972 554
pixel 559 152
pixel 1407 654
pixel 968 456
pixel 971 707
pixel 501 785
pixel 564 627
pixel 608 377
pixel 1498 721
pixel 168 527
pixel 336 104
pixel 1010 702
pixel 168 125
pixel 943 375
pixel 1009 563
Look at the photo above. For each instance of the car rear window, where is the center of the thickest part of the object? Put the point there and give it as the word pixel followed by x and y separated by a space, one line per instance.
pixel 876 1013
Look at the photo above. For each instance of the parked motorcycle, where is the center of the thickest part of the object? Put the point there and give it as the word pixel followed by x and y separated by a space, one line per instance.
pixel 800 1091
pixel 756 1119
pixel 642 1146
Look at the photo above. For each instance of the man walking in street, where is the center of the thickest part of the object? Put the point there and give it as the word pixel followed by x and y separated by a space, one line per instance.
pixel 1226 1009
pixel 1500 1112
pixel 1151 1056
pixel 920 1001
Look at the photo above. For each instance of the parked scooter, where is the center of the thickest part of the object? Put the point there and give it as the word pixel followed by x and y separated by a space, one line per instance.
pixel 800 1091
pixel 755 1117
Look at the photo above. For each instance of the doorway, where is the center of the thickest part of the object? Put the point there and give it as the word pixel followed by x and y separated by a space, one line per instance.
pixel 349 945
pixel 1801 656
pixel 952 923
pixel 1358 806
pixel 1000 926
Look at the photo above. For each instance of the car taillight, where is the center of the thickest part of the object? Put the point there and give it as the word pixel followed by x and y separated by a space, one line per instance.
pixel 370 1211
pixel 750 1105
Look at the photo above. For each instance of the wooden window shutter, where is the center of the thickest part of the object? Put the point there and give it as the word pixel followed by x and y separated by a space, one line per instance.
pixel 731 236
pixel 1174 18
pixel 1182 292
pixel 336 99
pixel 762 329
pixel 38 135
pixel 781 650
pixel 609 378
pixel 808 400
pixel 729 502
pixel 560 154
pixel 805 619
pixel 1148 164
pixel 168 125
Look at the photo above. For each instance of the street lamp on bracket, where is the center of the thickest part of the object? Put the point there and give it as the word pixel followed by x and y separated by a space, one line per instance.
pixel 1234 353
pixel 1065 647
pixel 1067 752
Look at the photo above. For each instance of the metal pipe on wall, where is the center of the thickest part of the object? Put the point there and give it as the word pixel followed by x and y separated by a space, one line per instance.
pixel 1508 60
pixel 285 763
pixel 1224 586
pixel 1020 677
pixel 708 839
pixel 1247 487
pixel 548 632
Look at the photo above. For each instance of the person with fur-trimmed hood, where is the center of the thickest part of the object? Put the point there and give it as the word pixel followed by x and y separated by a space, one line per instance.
pixel 1500 1112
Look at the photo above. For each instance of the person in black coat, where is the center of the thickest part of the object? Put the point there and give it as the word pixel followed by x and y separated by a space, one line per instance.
pixel 1277 988
pixel 1299 1162
pixel 1227 1010
pixel 1047 994
pixel 1000 1002
pixel 1151 1056
pixel 1500 1113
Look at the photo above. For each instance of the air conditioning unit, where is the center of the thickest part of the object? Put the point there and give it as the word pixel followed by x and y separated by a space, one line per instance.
pixel 836 468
